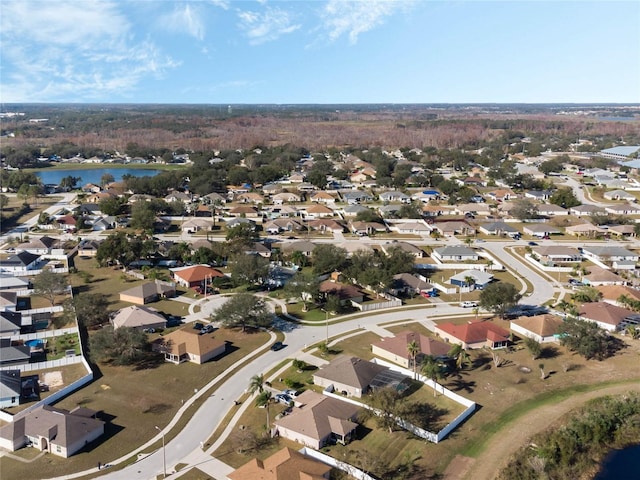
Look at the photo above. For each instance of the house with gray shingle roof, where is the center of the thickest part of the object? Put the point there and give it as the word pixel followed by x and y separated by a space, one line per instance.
pixel 455 253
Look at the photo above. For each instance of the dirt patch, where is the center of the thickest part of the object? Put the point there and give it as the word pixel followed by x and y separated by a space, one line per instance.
pixel 458 467
pixel 53 379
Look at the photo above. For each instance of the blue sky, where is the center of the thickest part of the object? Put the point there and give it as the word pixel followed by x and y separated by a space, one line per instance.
pixel 333 51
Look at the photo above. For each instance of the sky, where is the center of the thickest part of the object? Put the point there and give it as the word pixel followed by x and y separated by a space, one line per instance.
pixel 319 51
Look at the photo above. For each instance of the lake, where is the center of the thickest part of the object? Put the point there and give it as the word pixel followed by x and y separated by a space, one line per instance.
pixel 92 175
pixel 620 464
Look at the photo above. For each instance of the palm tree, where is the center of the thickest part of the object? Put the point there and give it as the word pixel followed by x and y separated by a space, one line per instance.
pixel 460 355
pixel 469 281
pixel 633 331
pixel 413 349
pixel 563 305
pixel 433 371
pixel 264 400
pixel 257 384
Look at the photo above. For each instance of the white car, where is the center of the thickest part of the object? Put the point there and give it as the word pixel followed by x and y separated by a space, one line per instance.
pixel 468 304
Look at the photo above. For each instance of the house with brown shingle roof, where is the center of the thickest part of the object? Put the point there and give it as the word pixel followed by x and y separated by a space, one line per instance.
pixel 323 197
pixel 348 374
pixel 318 211
pixel 542 328
pixel 611 293
pixel 285 464
pixel 395 350
pixel 194 276
pixel 319 420
pixel 148 292
pixel 56 430
pixel 473 334
pixel 189 345
pixel 244 210
pixel 325 225
pixel 345 292
pixel 599 276
pixel 608 317
pixel 250 197
pixel 138 317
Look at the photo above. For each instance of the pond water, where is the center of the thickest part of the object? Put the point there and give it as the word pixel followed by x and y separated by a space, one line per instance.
pixel 92 175
pixel 620 464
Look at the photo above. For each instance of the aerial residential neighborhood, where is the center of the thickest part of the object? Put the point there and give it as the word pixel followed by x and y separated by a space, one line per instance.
pixel 323 319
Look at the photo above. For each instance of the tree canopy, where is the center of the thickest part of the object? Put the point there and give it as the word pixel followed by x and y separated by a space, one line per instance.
pixel 122 346
pixel 587 339
pixel 244 310
pixel 49 285
pixel 499 297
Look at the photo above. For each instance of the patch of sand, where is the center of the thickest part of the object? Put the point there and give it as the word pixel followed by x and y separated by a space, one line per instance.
pixel 53 379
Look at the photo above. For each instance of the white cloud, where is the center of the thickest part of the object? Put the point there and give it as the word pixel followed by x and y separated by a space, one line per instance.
pixel 267 25
pixel 184 19
pixel 72 50
pixel 353 17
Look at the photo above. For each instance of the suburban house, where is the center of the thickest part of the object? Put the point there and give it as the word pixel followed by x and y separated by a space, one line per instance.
pixel 611 293
pixel 622 209
pixel 586 210
pixel 10 323
pixel 318 211
pixel 353 210
pixel 540 230
pixel 20 262
pixel 498 228
pixel 585 230
pixel 195 276
pixel 148 292
pixel 196 224
pixel 366 228
pixel 285 197
pixel 58 431
pixel 10 388
pixel 11 355
pixel 279 225
pixel 39 246
pixel 418 227
pixel 250 197
pixel 552 254
pixel 325 225
pixel 551 210
pixel 285 464
pixel 449 228
pixel 474 334
pixel 347 293
pixel 303 246
pixel 138 317
pixel 619 195
pixel 395 349
pixel 455 253
pixel 189 345
pixel 599 276
pixel 355 377
pixel 409 284
pixel 609 254
pixel 244 211
pixel 323 197
pixel 608 317
pixel 476 278
pixel 11 282
pixel 356 197
pixel 320 420
pixel 394 197
pixel 405 247
pixel 622 230
pixel 542 328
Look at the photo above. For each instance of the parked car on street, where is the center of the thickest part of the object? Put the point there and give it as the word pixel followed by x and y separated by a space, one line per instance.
pixel 468 304
pixel 277 346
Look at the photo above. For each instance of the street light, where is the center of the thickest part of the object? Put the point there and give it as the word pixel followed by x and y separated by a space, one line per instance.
pixel 164 458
